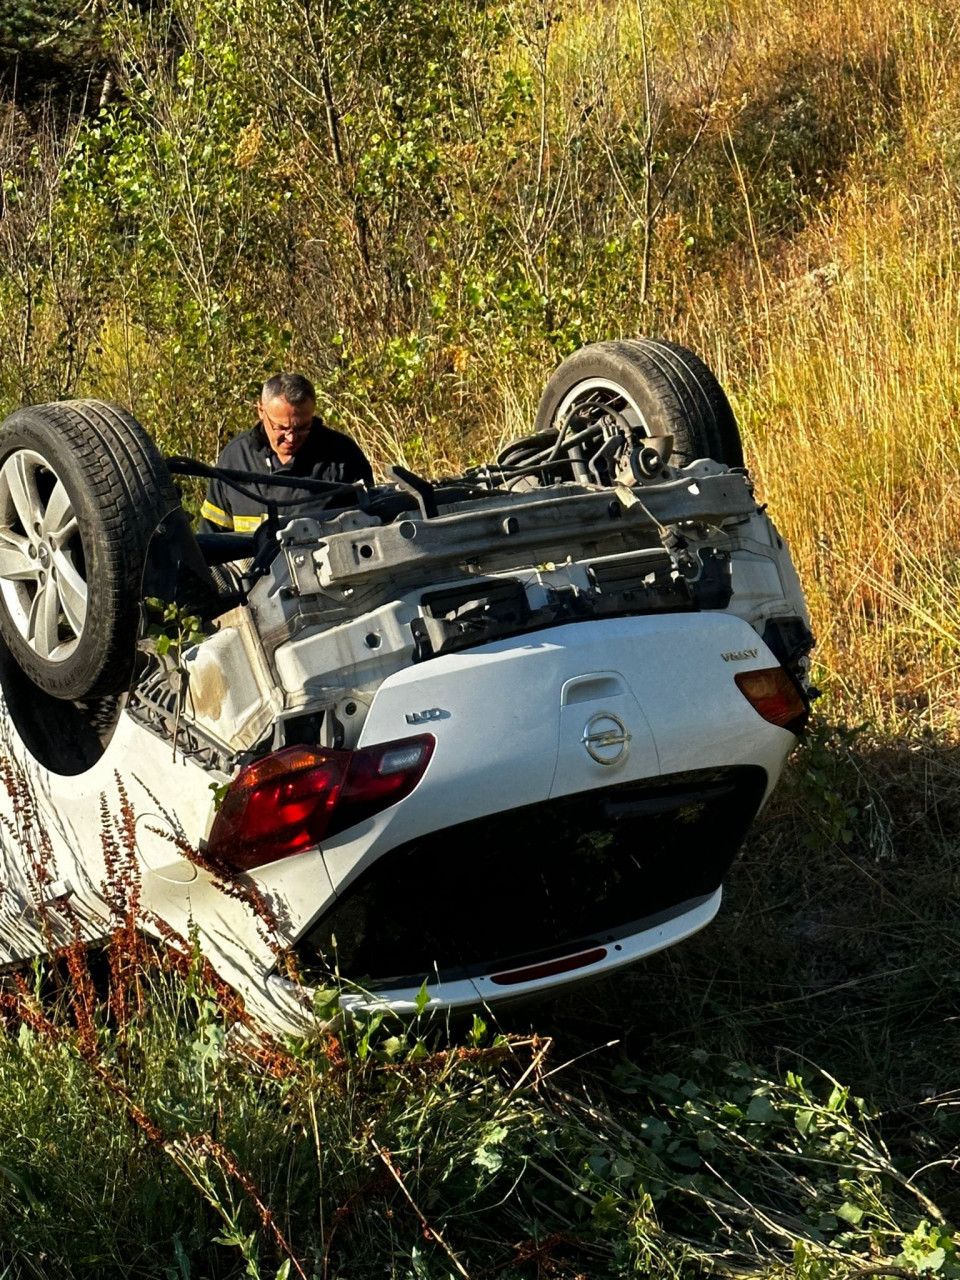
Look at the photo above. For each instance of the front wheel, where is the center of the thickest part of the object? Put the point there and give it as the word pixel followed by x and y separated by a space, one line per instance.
pixel 82 488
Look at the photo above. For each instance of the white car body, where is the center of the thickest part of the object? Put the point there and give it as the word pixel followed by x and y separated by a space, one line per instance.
pixel 622 711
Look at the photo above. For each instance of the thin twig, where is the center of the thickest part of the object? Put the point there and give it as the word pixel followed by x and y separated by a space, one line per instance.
pixel 428 1229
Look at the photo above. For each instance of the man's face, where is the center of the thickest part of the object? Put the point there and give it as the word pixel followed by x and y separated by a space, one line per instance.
pixel 287 425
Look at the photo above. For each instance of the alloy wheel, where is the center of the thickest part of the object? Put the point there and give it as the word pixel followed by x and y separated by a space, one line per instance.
pixel 42 563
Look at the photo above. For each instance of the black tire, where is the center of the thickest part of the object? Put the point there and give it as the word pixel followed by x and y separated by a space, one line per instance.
pixel 99 488
pixel 517 451
pixel 670 389
pixel 521 451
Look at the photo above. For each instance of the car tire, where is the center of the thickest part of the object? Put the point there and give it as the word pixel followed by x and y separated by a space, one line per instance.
pixel 519 452
pixel 661 388
pixel 82 491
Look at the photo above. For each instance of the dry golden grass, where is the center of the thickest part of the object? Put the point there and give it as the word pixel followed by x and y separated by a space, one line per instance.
pixel 840 347
pixel 850 420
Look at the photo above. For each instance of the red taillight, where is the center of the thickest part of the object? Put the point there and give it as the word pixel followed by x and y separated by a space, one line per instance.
pixel 380 776
pixel 773 694
pixel 291 800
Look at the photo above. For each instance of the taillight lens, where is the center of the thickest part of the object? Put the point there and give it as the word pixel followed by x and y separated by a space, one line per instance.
pixel 291 800
pixel 773 694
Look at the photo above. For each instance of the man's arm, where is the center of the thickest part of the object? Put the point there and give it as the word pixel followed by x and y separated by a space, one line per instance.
pixel 358 467
pixel 216 514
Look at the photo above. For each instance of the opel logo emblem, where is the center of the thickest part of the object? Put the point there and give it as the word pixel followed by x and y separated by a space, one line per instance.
pixel 606 738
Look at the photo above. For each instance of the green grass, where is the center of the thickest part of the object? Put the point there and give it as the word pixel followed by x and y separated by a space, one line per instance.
pixel 389 1152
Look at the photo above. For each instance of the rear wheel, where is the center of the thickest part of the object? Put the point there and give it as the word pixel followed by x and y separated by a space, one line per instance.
pixel 655 388
pixel 82 489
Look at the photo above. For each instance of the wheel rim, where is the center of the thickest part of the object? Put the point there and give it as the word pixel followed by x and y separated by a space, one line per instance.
pixel 603 396
pixel 42 565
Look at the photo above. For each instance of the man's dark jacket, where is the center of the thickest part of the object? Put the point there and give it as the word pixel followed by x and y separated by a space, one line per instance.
pixel 324 455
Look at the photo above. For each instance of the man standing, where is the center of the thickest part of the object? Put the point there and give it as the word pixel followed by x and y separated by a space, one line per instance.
pixel 288 440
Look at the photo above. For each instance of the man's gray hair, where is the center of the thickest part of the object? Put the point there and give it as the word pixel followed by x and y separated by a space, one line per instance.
pixel 292 387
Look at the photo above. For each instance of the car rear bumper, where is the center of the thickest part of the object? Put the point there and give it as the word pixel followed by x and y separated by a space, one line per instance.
pixel 584 962
pixel 538 896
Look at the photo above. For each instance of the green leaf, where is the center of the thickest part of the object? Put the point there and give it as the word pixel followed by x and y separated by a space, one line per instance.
pixel 669 1083
pixel 850 1213
pixel 486 1154
pixel 761 1110
pixel 605 1210
pixel 685 1157
pixel 219 790
pixel 423 998
pixel 183 1262
pixel 326 1003
pixel 18 1181
pixel 805 1119
pixel 838 1098
pixel 740 1071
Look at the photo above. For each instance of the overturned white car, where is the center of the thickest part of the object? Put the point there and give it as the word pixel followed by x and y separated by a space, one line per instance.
pixel 472 739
